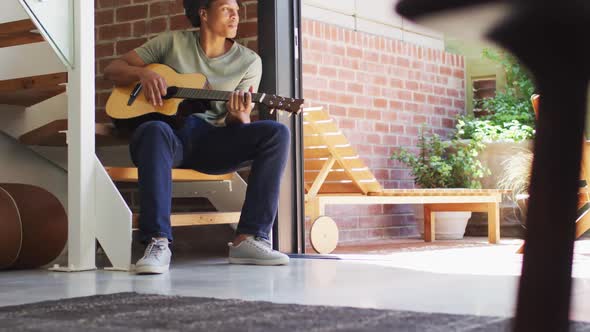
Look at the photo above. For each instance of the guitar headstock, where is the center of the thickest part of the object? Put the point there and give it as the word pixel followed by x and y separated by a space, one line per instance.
pixel 283 103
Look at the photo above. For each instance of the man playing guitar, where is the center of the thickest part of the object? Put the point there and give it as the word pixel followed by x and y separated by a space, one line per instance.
pixel 217 141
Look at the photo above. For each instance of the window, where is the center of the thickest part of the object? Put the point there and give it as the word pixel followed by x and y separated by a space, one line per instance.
pixel 482 88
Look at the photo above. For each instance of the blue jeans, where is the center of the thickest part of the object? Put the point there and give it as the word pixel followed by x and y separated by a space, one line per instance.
pixel 156 148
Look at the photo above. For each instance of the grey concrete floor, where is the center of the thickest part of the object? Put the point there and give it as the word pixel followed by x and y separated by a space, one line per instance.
pixel 464 280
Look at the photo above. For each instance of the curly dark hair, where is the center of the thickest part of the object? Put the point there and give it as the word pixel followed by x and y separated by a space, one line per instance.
pixel 191 10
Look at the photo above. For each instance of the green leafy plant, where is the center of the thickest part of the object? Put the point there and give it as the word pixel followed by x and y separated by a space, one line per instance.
pixel 444 164
pixel 486 130
pixel 508 115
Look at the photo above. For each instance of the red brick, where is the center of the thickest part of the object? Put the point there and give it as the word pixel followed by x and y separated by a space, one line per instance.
pixel 405 95
pixel 247 29
pixel 179 22
pixel 349 63
pixel 354 52
pixel 165 8
pixel 439 91
pixel 104 50
pixel 444 70
pixel 328 72
pixel 102 64
pixel 251 10
pixel 102 17
pixel 310 69
pixel 419 97
pixel 380 103
pixel 356 113
pixel 337 110
pixel 315 82
pixel 131 13
pixel 337 85
pixel 336 50
pixel 124 46
pixel 110 32
pixel 446 101
pixel 411 85
pixel 396 105
pixel 402 62
pixel 347 124
pixel 410 107
pixel 396 83
pixel 355 87
pixel 374 115
pixel 382 127
pixel 332 60
pixel 253 45
pixel 346 99
pixel 459 103
pixel 157 26
pixel 418 65
pixel 102 84
pixel 112 3
pixel 347 75
pixel 433 100
pixel 374 91
pixel 310 94
pixel 452 93
pixel 449 123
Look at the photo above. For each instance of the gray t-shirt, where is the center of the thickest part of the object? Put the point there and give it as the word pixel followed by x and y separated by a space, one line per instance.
pixel 238 69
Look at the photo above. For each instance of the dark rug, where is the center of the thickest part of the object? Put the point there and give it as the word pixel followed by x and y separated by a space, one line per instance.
pixel 141 312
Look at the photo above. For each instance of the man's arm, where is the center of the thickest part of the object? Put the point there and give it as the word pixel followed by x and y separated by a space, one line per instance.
pixel 239 107
pixel 130 68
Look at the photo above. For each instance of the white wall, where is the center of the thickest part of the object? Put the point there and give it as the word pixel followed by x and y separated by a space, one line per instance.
pixel 21 165
pixel 372 16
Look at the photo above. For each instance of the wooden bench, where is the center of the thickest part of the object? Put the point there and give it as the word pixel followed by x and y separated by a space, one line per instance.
pixel 335 174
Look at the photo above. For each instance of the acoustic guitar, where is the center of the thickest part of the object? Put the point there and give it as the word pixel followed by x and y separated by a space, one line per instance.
pixel 130 103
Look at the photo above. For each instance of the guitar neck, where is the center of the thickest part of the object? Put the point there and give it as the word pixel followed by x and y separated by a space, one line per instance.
pixel 211 95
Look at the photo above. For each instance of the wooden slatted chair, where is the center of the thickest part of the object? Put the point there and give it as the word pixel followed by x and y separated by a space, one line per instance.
pixel 335 174
pixel 583 215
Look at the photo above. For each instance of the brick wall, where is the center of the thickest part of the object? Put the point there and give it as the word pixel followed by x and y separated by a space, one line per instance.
pixel 122 25
pixel 380 91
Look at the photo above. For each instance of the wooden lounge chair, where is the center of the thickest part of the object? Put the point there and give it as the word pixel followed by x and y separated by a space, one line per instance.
pixel 335 174
pixel 583 217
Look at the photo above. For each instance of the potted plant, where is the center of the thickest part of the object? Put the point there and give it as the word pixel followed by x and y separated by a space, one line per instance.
pixel 444 164
pixel 505 122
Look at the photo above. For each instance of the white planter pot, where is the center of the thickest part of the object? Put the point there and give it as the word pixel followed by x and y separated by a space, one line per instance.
pixel 495 154
pixel 448 225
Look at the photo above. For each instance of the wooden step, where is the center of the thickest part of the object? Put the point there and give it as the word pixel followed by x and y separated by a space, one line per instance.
pixel 19 33
pixel 201 218
pixel 129 174
pixel 54 134
pixel 28 91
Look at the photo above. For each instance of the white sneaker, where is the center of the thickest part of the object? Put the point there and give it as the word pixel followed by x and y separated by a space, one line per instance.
pixel 156 259
pixel 256 251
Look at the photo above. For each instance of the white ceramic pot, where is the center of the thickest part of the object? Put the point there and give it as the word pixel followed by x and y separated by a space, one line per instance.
pixel 448 225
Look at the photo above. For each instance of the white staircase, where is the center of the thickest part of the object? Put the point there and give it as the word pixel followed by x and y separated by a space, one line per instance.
pixel 47 118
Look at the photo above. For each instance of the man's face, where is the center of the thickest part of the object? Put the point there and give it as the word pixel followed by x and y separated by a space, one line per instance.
pixel 222 18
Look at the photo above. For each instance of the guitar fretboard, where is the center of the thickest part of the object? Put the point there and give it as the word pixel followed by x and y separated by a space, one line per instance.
pixel 188 93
